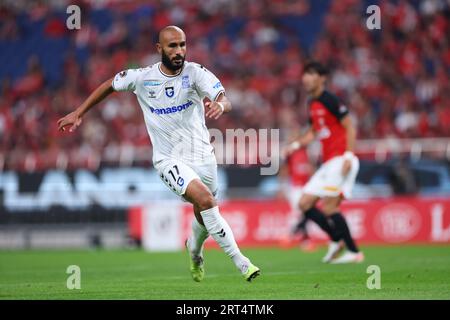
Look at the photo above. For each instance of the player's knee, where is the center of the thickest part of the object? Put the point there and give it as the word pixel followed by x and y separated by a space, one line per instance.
pixel 329 210
pixel 305 204
pixel 330 207
pixel 206 201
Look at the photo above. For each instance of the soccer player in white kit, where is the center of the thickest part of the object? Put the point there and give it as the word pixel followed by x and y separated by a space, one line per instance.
pixel 171 94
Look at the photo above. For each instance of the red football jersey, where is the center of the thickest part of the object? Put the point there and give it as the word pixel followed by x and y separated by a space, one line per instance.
pixel 299 167
pixel 325 115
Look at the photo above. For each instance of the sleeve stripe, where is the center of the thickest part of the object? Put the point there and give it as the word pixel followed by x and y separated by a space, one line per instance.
pixel 218 94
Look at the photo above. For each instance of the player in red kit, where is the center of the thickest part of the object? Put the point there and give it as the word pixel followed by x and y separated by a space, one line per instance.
pixel 334 180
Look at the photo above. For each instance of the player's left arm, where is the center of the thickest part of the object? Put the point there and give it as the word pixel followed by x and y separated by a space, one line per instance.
pixel 217 107
pixel 350 130
pixel 208 85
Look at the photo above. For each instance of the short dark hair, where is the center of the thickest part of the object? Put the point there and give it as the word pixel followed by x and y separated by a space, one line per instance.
pixel 315 67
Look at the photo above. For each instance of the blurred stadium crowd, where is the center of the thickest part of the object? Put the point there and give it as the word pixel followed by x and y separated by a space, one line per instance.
pixel 395 80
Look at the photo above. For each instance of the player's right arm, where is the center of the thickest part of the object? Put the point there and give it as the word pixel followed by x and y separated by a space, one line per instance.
pixel 74 118
pixel 303 141
pixel 123 81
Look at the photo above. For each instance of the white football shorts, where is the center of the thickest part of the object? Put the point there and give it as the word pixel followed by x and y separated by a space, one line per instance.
pixel 328 180
pixel 177 175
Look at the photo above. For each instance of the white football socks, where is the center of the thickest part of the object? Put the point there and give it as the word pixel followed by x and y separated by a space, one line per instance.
pixel 197 238
pixel 219 229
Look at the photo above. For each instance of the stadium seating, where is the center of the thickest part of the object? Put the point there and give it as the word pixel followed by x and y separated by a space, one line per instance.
pixel 257 52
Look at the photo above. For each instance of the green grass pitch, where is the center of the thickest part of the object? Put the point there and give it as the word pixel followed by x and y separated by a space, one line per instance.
pixel 407 272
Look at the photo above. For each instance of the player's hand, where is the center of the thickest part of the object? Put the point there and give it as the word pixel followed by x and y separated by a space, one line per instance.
pixel 346 167
pixel 215 110
pixel 73 120
pixel 287 150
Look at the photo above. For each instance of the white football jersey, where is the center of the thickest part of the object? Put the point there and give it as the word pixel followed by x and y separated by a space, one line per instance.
pixel 173 109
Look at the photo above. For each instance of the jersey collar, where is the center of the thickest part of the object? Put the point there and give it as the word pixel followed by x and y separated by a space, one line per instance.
pixel 169 75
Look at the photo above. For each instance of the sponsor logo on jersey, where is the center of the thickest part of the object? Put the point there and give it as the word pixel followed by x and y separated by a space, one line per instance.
pixel 323 133
pixel 319 112
pixel 151 94
pixel 152 83
pixel 169 92
pixel 172 109
pixel 218 85
pixel 185 84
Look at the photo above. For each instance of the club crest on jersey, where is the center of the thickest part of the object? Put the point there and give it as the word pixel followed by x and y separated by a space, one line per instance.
pixel 170 92
pixel 185 82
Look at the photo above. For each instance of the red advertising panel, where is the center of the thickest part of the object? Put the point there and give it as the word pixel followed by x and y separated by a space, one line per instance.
pixel 395 221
